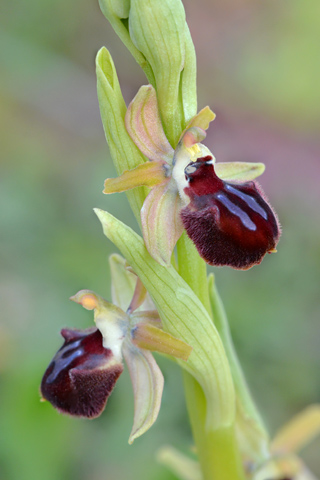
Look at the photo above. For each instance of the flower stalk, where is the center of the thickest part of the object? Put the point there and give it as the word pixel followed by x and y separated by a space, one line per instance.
pixel 213 424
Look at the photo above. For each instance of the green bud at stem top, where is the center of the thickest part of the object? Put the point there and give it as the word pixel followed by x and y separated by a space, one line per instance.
pixel 117 12
pixel 158 29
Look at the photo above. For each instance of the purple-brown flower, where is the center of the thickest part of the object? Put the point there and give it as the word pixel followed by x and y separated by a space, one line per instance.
pixel 81 375
pixel 230 223
pixel 223 211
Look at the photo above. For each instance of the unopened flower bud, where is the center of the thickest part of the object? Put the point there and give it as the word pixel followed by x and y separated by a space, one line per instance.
pixel 158 30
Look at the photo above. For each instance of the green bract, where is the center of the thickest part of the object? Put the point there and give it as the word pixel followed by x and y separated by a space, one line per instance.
pixel 124 152
pixel 163 45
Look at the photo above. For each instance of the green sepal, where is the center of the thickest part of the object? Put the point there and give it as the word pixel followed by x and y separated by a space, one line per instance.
pixel 123 289
pixel 124 152
pixel 147 336
pixel 123 282
pixel 158 30
pixel 147 382
pixel 144 125
pixel 184 317
pixel 148 174
pixel 188 83
pixel 239 171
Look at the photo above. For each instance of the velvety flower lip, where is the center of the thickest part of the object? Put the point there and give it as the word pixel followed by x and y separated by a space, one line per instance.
pixel 230 223
pixel 81 375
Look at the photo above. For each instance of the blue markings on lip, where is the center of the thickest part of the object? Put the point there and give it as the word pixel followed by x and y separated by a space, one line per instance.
pixel 233 208
pixel 249 200
pixel 67 355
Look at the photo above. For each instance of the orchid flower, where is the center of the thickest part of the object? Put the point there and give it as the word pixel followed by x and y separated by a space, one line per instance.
pixel 225 214
pixel 84 371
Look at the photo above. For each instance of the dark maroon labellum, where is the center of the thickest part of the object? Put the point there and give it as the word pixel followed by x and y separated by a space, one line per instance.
pixel 81 375
pixel 230 223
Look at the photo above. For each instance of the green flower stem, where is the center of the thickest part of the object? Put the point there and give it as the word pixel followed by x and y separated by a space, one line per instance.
pixel 193 270
pixel 217 450
pixel 221 322
pixel 251 428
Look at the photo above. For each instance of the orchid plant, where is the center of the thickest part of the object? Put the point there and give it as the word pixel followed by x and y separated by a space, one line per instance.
pixel 191 211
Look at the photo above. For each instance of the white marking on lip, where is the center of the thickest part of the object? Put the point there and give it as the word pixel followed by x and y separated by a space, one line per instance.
pixel 212 161
pixel 190 169
pixel 250 201
pixel 233 208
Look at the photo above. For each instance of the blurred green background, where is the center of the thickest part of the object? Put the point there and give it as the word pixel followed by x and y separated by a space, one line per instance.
pixel 259 69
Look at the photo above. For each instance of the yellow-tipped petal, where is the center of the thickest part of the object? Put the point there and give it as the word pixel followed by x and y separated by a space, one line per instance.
pixel 202 119
pixel 149 337
pixel 86 298
pixel 148 174
pixel 300 430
